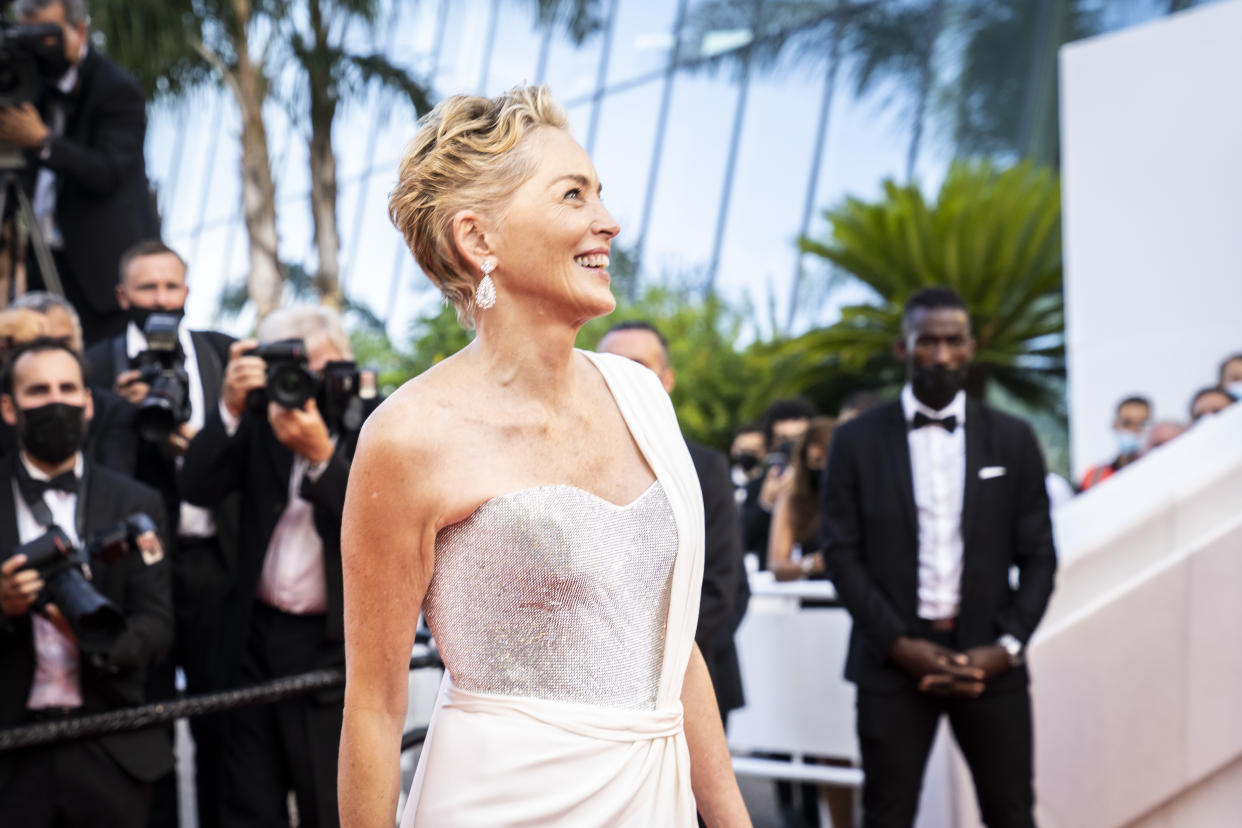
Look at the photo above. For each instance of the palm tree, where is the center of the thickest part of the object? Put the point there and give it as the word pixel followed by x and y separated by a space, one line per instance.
pixel 176 46
pixel 330 75
pixel 993 235
pixel 1005 99
pixel 883 41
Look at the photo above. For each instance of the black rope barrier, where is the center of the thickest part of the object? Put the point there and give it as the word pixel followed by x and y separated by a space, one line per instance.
pixel 155 713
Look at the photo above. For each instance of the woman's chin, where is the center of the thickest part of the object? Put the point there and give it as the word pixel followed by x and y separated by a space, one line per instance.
pixel 597 303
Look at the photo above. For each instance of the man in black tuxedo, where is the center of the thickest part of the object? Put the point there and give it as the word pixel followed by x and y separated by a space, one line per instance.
pixel 87 176
pixel 285 612
pixel 927 504
pixel 204 545
pixel 726 591
pixel 110 437
pixel 48 669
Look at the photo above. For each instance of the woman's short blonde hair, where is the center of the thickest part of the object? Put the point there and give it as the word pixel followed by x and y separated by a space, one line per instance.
pixel 464 157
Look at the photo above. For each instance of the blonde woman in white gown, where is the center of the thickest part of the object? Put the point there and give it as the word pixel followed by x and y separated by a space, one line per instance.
pixel 539 505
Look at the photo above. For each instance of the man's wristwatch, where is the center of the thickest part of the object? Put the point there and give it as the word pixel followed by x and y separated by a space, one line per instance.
pixel 1012 647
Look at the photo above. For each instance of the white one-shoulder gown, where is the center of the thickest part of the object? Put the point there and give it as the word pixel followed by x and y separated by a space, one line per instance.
pixel 565 623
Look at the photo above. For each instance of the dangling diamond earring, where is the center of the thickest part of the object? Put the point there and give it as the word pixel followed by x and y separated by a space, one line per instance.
pixel 485 293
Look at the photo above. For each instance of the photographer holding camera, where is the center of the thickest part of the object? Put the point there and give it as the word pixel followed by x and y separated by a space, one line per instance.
pixel 171 377
pixel 284 436
pixel 82 619
pixel 86 174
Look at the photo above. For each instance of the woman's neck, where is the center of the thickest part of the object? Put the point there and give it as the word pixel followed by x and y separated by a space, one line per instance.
pixel 529 353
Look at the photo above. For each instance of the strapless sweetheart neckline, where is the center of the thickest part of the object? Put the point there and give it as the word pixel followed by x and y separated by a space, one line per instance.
pixel 569 486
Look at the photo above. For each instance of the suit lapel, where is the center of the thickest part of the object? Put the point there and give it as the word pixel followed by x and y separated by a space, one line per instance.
pixel 210 371
pixel 898 443
pixel 282 459
pixel 8 508
pixel 976 450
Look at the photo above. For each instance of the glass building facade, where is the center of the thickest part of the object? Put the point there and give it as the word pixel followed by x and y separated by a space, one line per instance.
pixel 712 169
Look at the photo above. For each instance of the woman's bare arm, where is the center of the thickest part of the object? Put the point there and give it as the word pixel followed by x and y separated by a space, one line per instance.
pixel 780 542
pixel 387 551
pixel 711 770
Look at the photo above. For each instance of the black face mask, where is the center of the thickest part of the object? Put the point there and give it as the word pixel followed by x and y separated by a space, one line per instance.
pixel 139 316
pixel 936 385
pixel 51 433
pixel 746 461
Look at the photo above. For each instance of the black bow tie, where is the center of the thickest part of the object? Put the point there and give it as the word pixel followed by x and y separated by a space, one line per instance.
pixel 33 489
pixel 949 423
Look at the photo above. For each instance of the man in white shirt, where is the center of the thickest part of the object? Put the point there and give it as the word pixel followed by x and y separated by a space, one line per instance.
pixel 285 615
pixel 927 505
pixel 152 279
pixel 49 669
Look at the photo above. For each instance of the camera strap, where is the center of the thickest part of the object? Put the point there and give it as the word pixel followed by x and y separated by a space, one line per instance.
pixel 32 493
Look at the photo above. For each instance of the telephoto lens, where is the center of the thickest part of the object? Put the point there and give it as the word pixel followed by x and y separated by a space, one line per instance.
pixel 95 621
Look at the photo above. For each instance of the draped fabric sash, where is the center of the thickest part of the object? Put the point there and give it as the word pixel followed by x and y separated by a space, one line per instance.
pixel 648 412
pixel 607 724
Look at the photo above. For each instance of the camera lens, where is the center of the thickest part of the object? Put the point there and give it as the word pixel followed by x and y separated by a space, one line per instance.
pixel 290 386
pixel 155 419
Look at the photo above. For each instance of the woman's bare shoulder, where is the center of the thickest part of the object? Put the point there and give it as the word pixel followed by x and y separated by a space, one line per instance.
pixel 414 415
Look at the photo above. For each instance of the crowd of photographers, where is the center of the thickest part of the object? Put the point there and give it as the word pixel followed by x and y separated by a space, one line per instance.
pixel 175 503
pixel 174 496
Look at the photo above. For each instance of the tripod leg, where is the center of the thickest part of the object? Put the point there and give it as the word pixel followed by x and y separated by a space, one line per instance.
pixel 8 252
pixel 43 254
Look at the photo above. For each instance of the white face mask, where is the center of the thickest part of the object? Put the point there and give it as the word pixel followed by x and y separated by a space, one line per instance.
pixel 1128 443
pixel 1235 389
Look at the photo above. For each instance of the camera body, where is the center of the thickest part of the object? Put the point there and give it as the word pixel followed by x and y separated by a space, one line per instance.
pixel 161 366
pixel 781 455
pixel 65 572
pixel 290 382
pixel 339 392
pixel 28 54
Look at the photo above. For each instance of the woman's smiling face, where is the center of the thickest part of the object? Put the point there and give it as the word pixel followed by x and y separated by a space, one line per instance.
pixel 553 237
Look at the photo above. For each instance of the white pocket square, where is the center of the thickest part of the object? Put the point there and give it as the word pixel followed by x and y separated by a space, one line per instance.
pixel 988 472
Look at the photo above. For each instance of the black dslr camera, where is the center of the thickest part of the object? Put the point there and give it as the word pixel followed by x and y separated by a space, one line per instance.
pixel 29 53
pixel 65 571
pixel 339 393
pixel 161 366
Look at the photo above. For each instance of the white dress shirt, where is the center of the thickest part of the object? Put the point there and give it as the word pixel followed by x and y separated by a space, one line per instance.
pixel 292 579
pixel 938 471
pixel 56 678
pixel 195 522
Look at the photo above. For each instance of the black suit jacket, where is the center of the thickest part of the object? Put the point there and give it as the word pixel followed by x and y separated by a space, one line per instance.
pixel 141 591
pixel 103 200
pixel 255 464
pixel 870 533
pixel 106 360
pixel 725 588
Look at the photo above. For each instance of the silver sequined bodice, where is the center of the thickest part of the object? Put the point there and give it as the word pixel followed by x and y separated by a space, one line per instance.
pixel 554 593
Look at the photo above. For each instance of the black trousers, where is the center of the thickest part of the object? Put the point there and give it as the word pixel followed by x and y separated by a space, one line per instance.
pixel 200 584
pixel 895 733
pixel 72 784
pixel 288 745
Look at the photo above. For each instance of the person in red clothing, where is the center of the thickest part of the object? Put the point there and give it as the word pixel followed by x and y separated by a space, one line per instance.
pixel 1130 431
